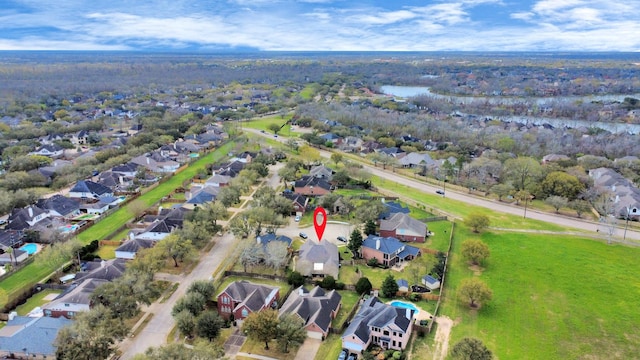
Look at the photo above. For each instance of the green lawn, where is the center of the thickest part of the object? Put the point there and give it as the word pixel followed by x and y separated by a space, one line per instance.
pixel 24 278
pixel 107 252
pixel 462 209
pixel 554 297
pixel 349 300
pixel 264 122
pixel 257 347
pixel 35 301
pixel 120 217
pixel 330 348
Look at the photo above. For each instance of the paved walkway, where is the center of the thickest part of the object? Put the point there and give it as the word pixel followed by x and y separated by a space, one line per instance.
pixel 254 356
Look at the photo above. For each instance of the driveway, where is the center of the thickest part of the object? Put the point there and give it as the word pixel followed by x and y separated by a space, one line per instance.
pixel 308 349
pixel 233 344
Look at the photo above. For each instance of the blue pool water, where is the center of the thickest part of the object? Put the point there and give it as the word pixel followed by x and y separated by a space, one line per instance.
pixel 404 305
pixel 68 228
pixel 29 248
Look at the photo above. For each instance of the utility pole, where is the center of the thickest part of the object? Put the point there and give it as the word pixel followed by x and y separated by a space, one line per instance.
pixel 626 225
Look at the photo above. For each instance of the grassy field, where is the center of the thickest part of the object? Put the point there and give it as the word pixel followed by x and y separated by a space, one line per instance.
pixel 462 209
pixel 554 297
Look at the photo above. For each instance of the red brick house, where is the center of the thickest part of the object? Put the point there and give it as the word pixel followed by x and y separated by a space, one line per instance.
pixel 241 298
pixel 312 186
pixel 404 228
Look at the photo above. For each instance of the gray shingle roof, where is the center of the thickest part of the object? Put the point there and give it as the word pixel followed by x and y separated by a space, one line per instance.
pixel 135 245
pixel 402 222
pixel 34 334
pixel 389 245
pixel 374 313
pixel 90 187
pixel 60 204
pixel 312 252
pixel 253 296
pixel 315 306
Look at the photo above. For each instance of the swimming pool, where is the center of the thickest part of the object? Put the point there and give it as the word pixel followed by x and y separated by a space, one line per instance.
pixel 30 248
pixel 404 305
pixel 68 228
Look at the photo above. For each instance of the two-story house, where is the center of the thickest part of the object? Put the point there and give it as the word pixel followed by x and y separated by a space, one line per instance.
pixel 388 251
pixel 403 227
pixel 380 324
pixel 241 298
pixel 317 308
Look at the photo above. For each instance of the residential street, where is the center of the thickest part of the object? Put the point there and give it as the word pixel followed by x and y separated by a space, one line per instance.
pixel 588 227
pixel 156 331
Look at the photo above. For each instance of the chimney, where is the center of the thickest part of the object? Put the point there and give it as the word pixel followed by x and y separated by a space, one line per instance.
pixel 300 291
pixel 377 244
pixel 30 211
pixel 121 179
pixel 103 263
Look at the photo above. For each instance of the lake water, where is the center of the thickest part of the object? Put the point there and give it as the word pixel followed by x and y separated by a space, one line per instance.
pixel 410 91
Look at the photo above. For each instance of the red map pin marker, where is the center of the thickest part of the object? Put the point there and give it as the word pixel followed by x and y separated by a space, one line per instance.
pixel 319 224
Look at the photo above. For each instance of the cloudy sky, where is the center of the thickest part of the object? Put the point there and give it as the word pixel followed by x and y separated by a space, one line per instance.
pixel 328 25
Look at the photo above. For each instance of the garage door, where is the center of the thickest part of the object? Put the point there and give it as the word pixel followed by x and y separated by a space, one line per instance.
pixel 314 335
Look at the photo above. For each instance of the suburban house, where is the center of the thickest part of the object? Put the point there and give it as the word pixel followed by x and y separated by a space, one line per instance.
pixel 157 164
pixel 230 169
pixel 414 160
pixel 403 227
pixel 312 186
pixel 161 225
pixel 26 218
pixel 31 337
pixel 430 282
pixel 241 298
pixel 10 238
pixel 129 169
pixel 317 308
pixel 115 181
pixel 626 196
pixel 76 299
pixel 321 172
pixel 299 202
pixel 351 144
pixel 332 138
pixel 60 206
pixel 130 248
pixel 15 257
pixel 51 150
pixel 102 269
pixel 267 238
pixel 388 251
pixel 318 259
pixel 218 180
pixel 380 324
pixel 100 206
pixel 85 189
pixel 200 195
pixel 392 208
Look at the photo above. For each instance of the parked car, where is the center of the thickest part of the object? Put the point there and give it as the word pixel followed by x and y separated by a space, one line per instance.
pixel 440 192
pixel 343 354
pixel 352 357
pixel 342 238
pixel 297 218
pixel 303 235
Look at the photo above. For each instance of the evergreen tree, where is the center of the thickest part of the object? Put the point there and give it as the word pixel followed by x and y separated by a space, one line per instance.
pixel 389 287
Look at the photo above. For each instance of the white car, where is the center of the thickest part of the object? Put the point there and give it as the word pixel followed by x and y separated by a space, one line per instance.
pixel 297 218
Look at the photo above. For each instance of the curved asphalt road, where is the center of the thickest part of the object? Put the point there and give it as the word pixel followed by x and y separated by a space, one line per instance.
pixel 583 226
